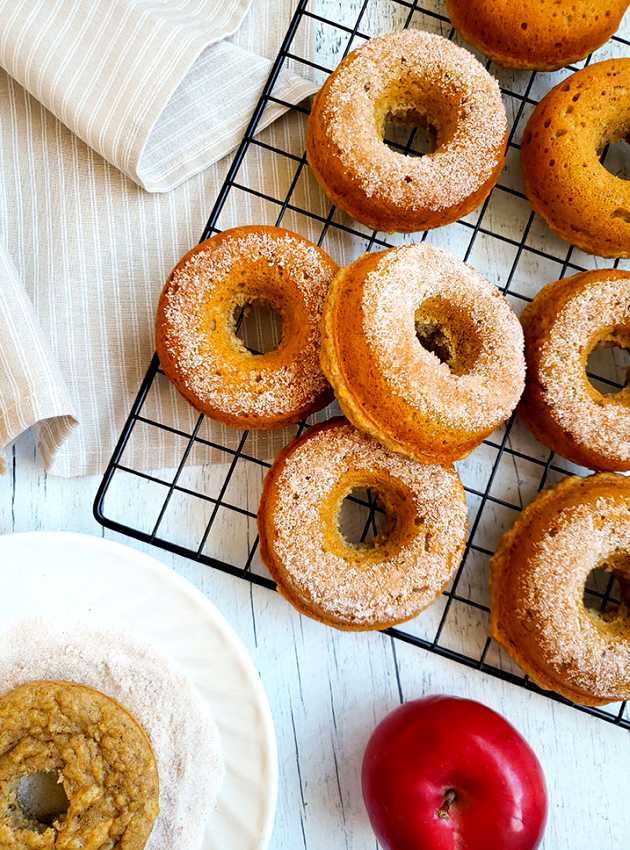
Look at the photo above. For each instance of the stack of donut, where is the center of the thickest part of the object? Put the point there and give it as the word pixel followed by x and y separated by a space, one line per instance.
pixel 424 356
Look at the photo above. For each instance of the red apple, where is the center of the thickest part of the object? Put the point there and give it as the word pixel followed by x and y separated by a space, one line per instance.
pixel 443 773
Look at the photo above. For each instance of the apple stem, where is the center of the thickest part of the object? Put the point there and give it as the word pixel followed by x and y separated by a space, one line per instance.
pixel 449 798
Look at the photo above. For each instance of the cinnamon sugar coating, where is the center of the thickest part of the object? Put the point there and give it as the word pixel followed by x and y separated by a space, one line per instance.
pixel 196 333
pixel 566 321
pixel 538 575
pixel 357 587
pixel 423 353
pixel 412 77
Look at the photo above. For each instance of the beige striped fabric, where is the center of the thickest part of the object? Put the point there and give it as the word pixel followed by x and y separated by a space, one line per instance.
pixel 32 391
pixel 149 85
pixel 101 100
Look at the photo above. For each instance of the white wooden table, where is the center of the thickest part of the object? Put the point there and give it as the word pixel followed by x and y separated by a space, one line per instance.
pixel 328 689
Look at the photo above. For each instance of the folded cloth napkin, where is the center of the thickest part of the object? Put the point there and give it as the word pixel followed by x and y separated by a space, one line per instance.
pixel 101 100
pixel 149 85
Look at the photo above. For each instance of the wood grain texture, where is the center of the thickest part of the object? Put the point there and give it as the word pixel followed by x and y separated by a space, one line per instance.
pixel 328 689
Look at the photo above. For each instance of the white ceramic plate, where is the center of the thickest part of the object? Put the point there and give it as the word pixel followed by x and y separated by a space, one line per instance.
pixel 65 575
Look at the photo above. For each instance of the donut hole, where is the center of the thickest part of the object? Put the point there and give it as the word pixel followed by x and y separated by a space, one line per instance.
pixel 608 361
pixel 362 520
pixel 413 117
pixel 368 516
pixel 435 339
pixel 42 798
pixel 449 334
pixel 409 133
pixel 257 325
pixel 607 588
pixel 615 158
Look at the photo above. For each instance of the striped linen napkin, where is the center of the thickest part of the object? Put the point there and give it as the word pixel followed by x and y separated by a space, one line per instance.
pixel 114 118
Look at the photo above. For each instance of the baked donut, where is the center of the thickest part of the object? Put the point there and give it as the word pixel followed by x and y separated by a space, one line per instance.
pixel 101 756
pixel 538 575
pixel 534 34
pixel 566 321
pixel 423 353
pixel 562 174
pixel 416 78
pixel 196 326
pixel 358 587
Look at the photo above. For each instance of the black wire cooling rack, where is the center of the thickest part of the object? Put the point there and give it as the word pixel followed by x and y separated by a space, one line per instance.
pixel 504 240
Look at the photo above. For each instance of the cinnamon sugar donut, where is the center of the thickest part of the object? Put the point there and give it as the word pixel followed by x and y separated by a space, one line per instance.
pixel 423 353
pixel 566 321
pixel 562 174
pixel 196 333
pixel 356 587
pixel 535 34
pixel 538 575
pixel 412 77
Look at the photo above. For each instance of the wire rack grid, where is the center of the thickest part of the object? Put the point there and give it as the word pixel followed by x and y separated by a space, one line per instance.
pixel 503 239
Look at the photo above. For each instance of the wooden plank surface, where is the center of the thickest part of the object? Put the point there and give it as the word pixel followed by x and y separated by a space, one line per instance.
pixel 328 689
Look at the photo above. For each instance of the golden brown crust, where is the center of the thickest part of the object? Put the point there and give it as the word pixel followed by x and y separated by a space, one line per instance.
pixel 392 388
pixel 562 174
pixel 357 588
pixel 538 574
pixel 102 755
pixel 566 321
pixel 530 35
pixel 413 76
pixel 195 333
